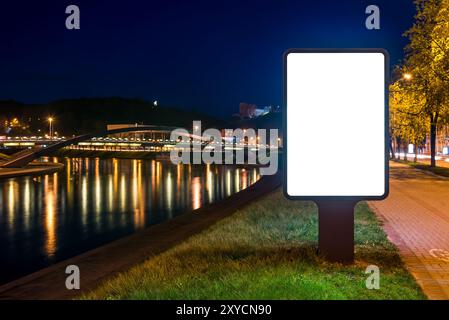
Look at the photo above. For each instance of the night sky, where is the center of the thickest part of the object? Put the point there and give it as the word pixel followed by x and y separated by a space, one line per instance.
pixel 207 55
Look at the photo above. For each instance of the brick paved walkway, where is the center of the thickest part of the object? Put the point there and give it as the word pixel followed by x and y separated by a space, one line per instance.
pixel 416 216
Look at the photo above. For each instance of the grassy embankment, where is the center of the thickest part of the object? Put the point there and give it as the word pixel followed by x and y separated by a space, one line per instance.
pixel 266 251
pixel 442 171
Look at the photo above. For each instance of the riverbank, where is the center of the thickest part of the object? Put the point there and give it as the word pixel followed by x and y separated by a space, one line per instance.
pixel 33 169
pixel 104 262
pixel 267 250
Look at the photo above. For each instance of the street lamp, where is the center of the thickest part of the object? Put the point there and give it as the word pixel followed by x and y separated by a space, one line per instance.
pixel 50 121
pixel 407 76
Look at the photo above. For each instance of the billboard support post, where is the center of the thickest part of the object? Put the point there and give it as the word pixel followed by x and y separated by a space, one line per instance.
pixel 336 230
pixel 336 107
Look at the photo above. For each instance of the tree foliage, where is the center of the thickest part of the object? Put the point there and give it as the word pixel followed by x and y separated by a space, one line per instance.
pixel 423 96
pixel 408 121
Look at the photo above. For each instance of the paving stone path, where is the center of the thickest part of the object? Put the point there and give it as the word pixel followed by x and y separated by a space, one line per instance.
pixel 416 216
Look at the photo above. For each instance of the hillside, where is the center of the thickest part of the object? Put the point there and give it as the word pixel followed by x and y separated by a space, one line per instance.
pixel 75 116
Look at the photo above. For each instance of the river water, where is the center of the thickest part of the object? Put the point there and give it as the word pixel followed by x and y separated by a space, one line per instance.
pixel 50 218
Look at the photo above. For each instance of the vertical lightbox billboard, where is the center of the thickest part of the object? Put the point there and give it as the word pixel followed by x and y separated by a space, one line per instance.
pixel 336 124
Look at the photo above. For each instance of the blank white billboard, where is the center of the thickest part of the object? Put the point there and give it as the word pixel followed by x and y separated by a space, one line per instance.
pixel 336 116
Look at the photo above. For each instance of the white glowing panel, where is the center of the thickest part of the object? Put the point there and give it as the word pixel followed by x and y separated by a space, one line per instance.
pixel 336 124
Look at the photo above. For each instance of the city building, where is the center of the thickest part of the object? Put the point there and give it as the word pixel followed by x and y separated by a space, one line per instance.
pixel 248 110
pixel 156 135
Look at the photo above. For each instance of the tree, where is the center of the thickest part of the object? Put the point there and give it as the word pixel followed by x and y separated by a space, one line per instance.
pixel 408 121
pixel 427 57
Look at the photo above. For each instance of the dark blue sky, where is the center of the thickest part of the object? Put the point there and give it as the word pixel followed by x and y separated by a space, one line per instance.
pixel 207 55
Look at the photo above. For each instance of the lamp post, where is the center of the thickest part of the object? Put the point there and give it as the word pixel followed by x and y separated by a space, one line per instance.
pixel 50 122
pixel 407 77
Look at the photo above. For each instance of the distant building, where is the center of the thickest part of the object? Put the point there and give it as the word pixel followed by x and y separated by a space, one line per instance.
pixel 261 111
pixel 122 126
pixel 156 135
pixel 441 143
pixel 249 111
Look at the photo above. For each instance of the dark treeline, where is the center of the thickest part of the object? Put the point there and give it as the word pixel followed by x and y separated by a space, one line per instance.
pixel 76 116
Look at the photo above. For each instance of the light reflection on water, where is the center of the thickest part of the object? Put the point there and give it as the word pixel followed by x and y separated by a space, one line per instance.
pixel 92 201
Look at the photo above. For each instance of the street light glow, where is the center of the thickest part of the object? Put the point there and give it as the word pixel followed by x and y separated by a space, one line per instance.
pixel 407 76
pixel 50 129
